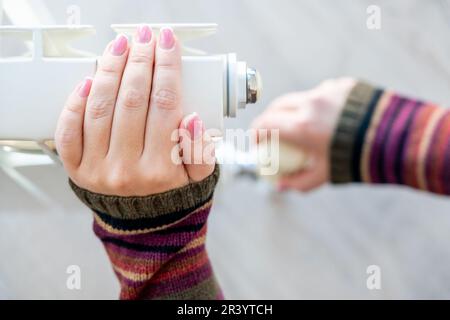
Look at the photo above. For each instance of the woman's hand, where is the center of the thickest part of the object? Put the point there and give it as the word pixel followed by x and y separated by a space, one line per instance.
pixel 115 135
pixel 307 120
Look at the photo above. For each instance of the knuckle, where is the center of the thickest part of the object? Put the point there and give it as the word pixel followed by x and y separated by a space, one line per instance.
pixel 66 137
pixel 166 98
pixel 119 179
pixel 94 181
pixel 100 108
pixel 139 57
pixel 108 68
pixel 133 99
pixel 319 100
pixel 118 184
pixel 167 64
pixel 73 107
pixel 156 179
pixel 300 125
pixel 90 176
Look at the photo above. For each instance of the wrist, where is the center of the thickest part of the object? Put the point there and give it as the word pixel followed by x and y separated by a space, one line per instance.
pixel 154 210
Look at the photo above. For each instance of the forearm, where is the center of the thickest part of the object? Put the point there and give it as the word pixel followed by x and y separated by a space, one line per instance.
pixel 156 244
pixel 383 137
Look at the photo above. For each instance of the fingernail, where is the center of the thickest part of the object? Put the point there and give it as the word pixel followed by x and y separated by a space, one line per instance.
pixel 85 87
pixel 195 127
pixel 198 128
pixel 120 45
pixel 166 38
pixel 144 34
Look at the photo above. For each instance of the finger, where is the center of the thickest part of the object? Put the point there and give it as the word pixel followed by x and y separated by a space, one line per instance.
pixel 69 130
pixel 279 105
pixel 197 148
pixel 275 121
pixel 102 99
pixel 290 127
pixel 303 181
pixel 165 111
pixel 128 128
pixel 270 120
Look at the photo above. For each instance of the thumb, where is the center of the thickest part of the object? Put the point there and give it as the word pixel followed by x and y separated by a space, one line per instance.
pixel 197 148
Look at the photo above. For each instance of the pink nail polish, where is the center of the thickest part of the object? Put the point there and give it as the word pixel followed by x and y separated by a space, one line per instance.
pixel 120 45
pixel 85 87
pixel 144 34
pixel 166 38
pixel 195 127
pixel 198 128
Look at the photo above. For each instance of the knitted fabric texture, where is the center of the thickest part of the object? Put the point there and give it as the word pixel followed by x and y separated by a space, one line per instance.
pixel 156 244
pixel 383 137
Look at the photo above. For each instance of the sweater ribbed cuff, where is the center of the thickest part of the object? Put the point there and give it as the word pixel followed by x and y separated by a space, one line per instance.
pixel 184 199
pixel 343 153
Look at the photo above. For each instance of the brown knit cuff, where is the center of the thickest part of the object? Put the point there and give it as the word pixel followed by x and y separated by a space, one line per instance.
pixel 183 199
pixel 342 146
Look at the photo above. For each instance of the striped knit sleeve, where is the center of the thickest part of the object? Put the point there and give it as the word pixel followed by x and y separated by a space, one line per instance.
pixel 383 137
pixel 156 244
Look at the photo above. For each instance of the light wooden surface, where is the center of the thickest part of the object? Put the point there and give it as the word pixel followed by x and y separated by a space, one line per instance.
pixel 262 244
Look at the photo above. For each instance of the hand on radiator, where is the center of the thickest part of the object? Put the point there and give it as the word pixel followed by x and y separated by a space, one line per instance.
pixel 306 120
pixel 117 134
